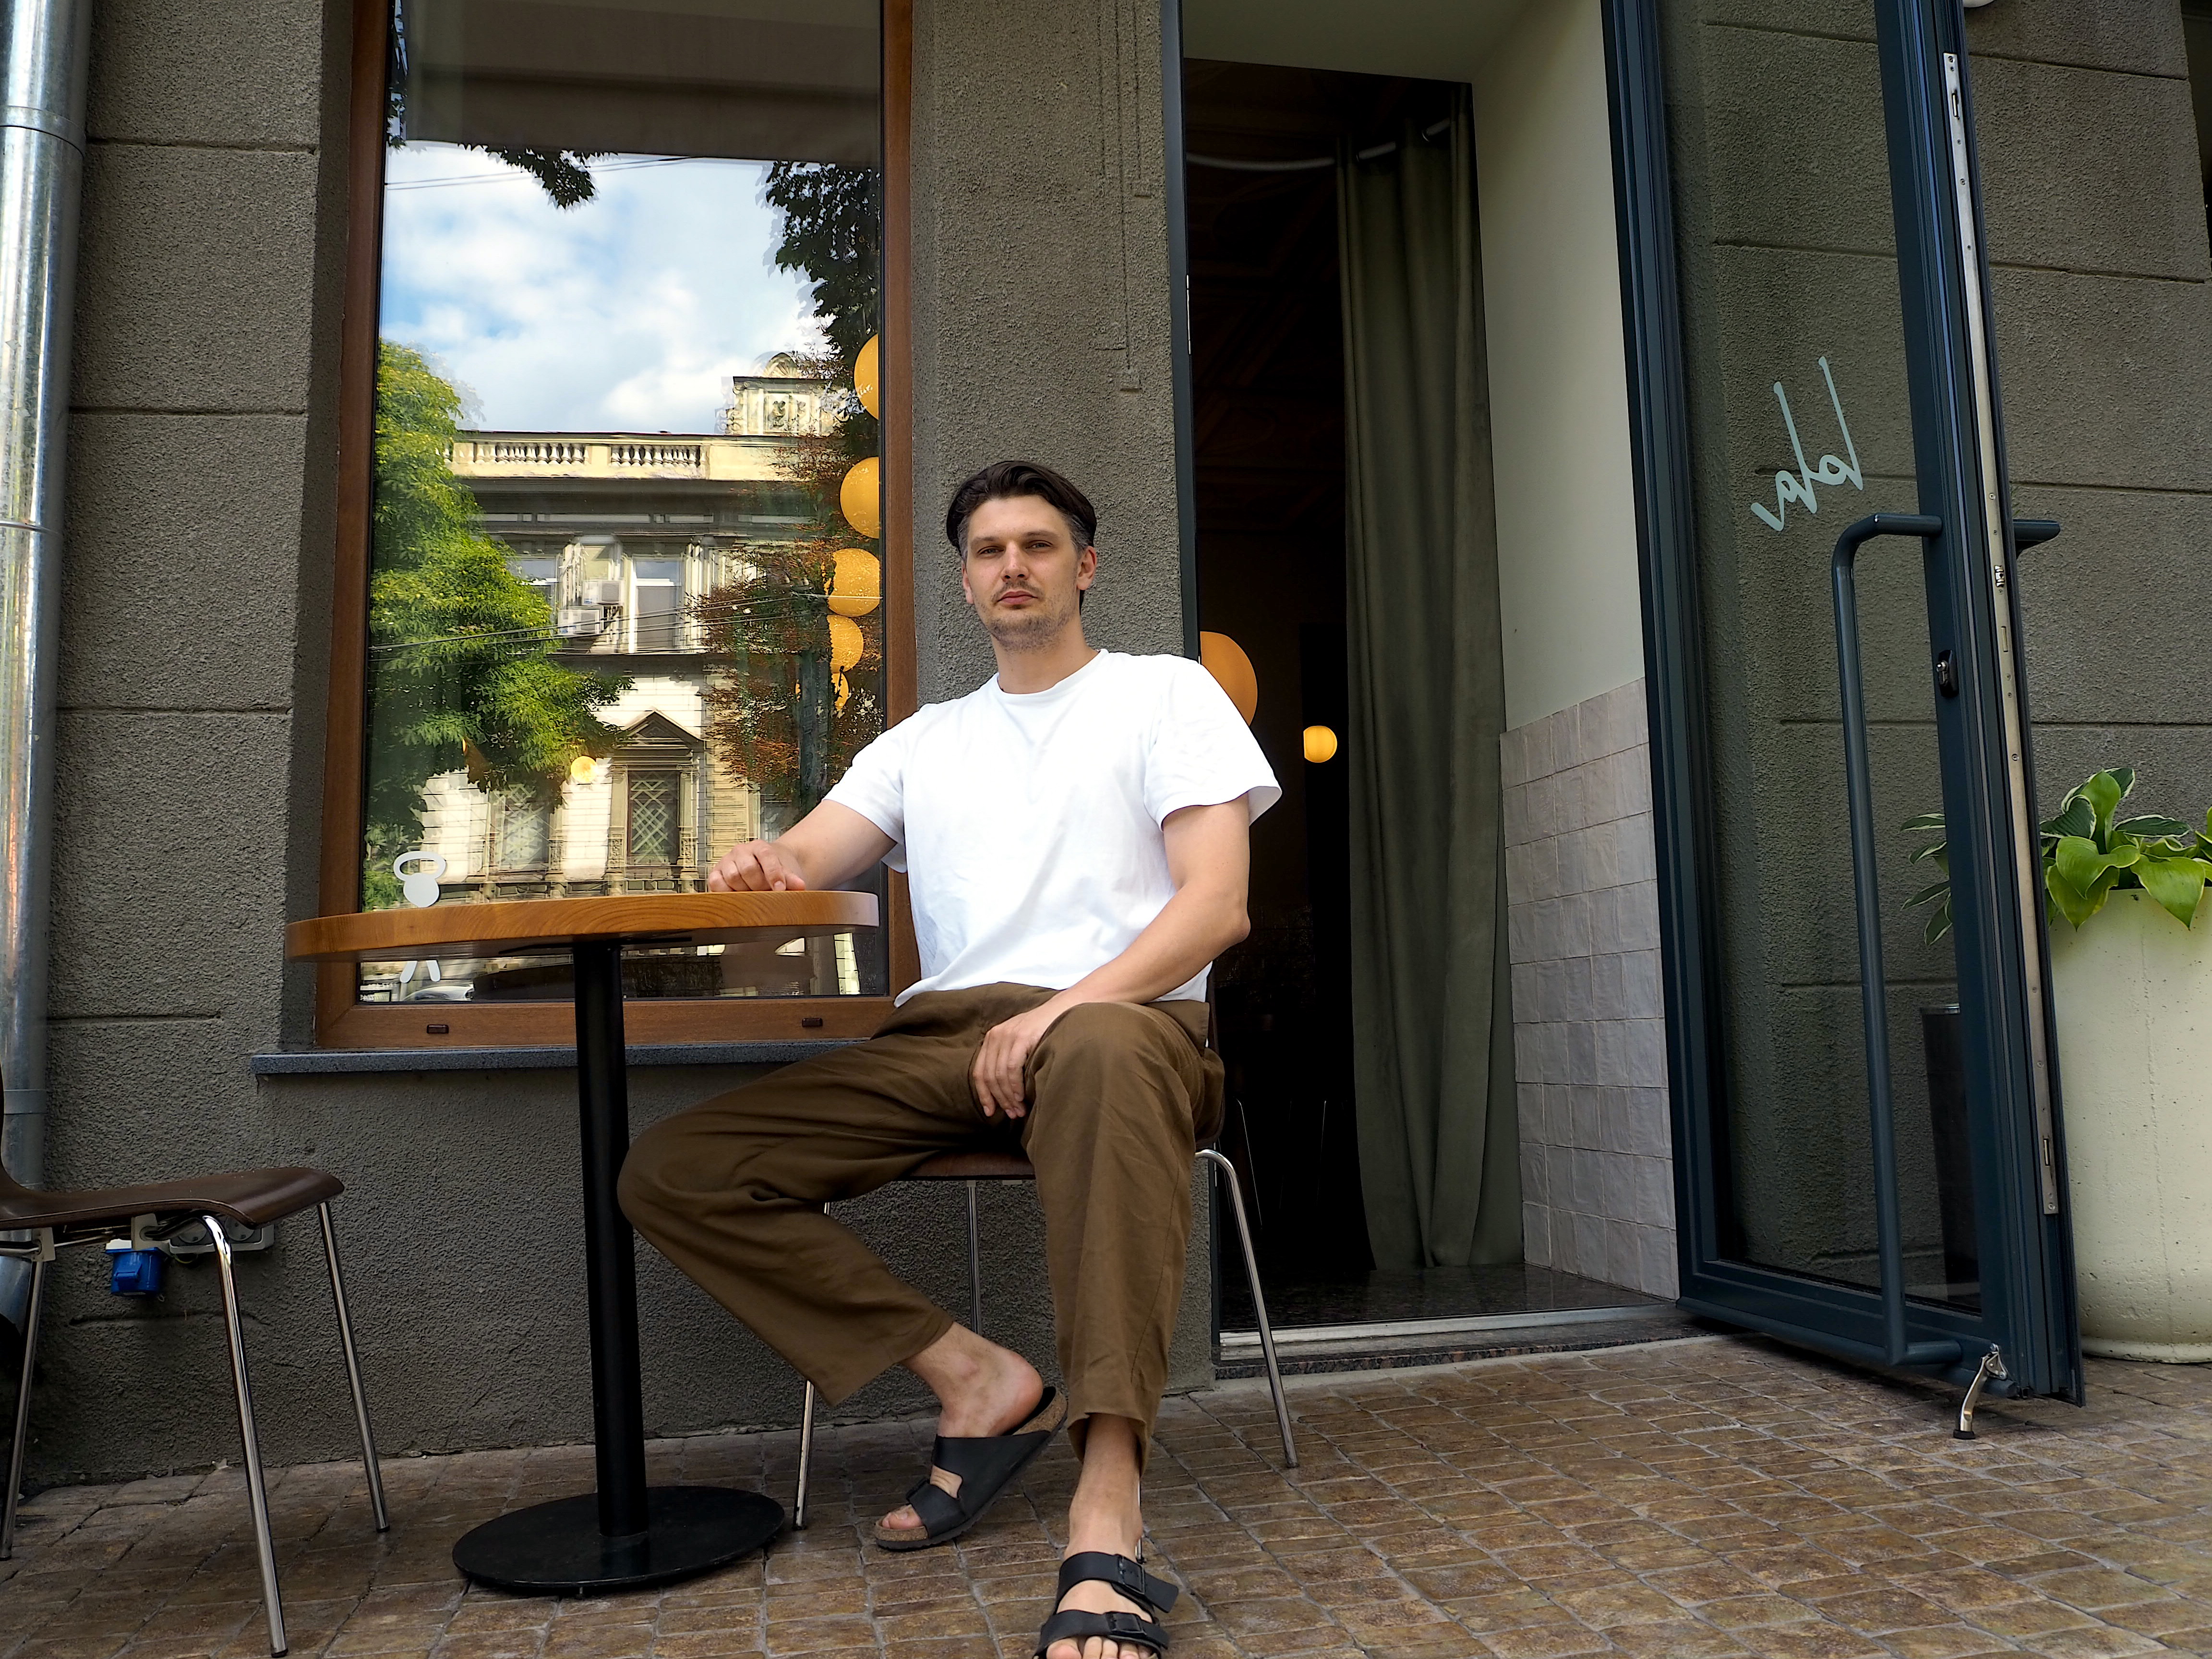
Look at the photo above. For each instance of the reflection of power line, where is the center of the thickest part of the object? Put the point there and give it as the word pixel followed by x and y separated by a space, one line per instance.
pixel 518 635
pixel 661 633
pixel 511 174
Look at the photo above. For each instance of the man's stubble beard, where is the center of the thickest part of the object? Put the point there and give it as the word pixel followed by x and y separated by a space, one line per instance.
pixel 1033 629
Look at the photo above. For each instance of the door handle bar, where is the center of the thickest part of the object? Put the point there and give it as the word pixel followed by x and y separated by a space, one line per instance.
pixel 1858 770
pixel 1859 783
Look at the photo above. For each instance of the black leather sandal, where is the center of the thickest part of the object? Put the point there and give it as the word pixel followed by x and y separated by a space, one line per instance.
pixel 1154 1596
pixel 985 1464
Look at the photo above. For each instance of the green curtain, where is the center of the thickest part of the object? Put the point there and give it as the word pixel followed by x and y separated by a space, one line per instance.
pixel 1432 1021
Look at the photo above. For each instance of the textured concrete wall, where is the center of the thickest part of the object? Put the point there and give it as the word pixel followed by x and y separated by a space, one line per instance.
pixel 2104 327
pixel 196 597
pixel 1040 300
pixel 195 582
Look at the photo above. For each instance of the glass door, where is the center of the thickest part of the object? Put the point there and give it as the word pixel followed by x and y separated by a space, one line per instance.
pixel 1866 1143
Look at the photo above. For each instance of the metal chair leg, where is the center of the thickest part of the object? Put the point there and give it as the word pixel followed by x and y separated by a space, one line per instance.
pixel 806 1451
pixel 805 1461
pixel 974 1265
pixel 22 1411
pixel 257 1489
pixel 369 1461
pixel 1228 1172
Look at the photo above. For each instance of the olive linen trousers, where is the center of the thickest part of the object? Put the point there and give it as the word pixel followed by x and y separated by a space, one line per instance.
pixel 1122 1096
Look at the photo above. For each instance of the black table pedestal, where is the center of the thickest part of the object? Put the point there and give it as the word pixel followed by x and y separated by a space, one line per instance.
pixel 557 1548
pixel 625 1536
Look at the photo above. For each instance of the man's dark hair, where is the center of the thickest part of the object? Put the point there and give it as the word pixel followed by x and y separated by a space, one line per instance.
pixel 1003 479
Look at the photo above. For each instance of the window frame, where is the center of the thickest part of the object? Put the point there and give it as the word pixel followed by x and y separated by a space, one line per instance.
pixel 341 1020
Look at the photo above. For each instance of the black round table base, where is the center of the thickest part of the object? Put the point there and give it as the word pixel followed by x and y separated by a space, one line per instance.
pixel 557 1548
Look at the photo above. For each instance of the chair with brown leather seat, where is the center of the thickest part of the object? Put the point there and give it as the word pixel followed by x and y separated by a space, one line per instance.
pixel 146 1216
pixel 976 1167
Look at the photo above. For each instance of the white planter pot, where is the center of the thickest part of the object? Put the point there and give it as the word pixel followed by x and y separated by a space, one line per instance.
pixel 2132 991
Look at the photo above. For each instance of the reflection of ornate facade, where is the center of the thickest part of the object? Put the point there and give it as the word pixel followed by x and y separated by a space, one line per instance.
pixel 620 532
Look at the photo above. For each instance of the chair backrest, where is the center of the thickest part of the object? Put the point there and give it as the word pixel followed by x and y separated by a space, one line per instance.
pixel 9 1187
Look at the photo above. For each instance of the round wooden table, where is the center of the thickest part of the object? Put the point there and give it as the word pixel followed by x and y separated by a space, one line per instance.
pixel 627 1535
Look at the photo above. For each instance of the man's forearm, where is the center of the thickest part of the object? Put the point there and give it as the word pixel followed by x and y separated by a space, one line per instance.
pixel 1194 926
pixel 828 847
pixel 1209 860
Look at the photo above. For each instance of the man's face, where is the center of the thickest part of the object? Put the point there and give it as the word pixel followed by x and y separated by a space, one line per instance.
pixel 1022 571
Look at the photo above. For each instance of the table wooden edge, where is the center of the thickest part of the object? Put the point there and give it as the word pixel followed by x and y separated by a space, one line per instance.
pixel 536 926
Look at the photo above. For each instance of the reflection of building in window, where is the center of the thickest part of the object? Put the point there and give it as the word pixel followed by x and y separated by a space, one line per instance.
pixel 524 832
pixel 620 532
pixel 651 804
pixel 778 403
pixel 656 604
pixel 621 537
pixel 654 843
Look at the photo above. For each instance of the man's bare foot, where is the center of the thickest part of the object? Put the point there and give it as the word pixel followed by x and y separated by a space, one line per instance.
pixel 1106 1514
pixel 982 1389
pixel 1095 1597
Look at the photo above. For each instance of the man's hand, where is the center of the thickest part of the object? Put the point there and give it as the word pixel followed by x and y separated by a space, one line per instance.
pixel 755 867
pixel 828 847
pixel 997 1073
pixel 1209 856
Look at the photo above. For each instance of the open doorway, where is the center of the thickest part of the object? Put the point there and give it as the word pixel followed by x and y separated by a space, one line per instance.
pixel 1347 545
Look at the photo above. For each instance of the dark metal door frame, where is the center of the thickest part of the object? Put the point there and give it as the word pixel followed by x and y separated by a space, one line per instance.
pixel 2027 1300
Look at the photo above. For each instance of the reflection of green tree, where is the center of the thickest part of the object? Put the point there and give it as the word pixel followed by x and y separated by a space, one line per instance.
pixel 460 670
pixel 833 233
pixel 778 714
pixel 831 230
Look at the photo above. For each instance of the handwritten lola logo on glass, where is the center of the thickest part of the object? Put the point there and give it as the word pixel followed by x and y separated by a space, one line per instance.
pixel 1833 469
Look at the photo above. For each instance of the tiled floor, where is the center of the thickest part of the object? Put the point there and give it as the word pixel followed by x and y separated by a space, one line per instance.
pixel 1711 1497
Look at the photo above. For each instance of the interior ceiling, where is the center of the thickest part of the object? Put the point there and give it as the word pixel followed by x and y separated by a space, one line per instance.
pixel 1434 39
pixel 1266 354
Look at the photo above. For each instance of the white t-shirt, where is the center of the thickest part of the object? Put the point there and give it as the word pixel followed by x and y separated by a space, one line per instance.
pixel 1029 825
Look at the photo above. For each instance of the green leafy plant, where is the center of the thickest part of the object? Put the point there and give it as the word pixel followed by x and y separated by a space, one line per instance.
pixel 2089 853
pixel 461 667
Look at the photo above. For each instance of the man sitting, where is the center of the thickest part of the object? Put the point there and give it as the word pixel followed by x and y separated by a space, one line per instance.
pixel 1076 836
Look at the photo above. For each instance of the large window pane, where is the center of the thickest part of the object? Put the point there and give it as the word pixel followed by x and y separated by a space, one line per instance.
pixel 624 559
pixel 1801 422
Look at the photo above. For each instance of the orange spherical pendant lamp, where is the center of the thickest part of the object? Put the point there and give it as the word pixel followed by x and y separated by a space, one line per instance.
pixel 867 379
pixel 1225 660
pixel 857 587
pixel 860 498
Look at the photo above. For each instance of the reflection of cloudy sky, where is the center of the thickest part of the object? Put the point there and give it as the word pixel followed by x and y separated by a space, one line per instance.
pixel 627 313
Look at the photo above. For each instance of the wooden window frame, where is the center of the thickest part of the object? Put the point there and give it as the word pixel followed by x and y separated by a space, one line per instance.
pixel 341 1020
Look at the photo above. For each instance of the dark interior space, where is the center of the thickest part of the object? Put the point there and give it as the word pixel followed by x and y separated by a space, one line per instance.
pixel 1268 380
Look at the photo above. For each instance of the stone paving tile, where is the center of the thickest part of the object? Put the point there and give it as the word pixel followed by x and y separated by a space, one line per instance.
pixel 1716 1497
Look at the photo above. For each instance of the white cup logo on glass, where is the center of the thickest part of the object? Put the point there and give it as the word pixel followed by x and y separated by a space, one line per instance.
pixel 421 887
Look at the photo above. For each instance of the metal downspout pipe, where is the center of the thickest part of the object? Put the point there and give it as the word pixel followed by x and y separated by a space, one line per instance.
pixel 42 48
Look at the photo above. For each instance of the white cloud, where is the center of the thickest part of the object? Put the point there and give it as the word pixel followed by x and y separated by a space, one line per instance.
pixel 629 313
